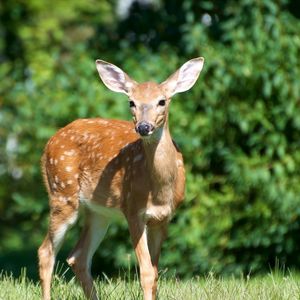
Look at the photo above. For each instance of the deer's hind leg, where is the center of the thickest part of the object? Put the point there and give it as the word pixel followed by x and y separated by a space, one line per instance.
pixel 63 215
pixel 80 259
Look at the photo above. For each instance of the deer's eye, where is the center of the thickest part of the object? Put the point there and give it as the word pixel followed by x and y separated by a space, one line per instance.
pixel 162 102
pixel 131 104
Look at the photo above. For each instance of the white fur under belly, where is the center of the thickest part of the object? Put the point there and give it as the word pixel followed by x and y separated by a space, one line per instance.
pixel 112 213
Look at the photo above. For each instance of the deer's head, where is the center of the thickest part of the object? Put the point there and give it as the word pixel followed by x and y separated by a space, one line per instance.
pixel 149 101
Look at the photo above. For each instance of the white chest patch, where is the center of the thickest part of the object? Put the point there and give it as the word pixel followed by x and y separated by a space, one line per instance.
pixel 157 213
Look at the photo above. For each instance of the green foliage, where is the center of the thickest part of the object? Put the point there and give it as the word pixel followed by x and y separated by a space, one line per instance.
pixel 238 128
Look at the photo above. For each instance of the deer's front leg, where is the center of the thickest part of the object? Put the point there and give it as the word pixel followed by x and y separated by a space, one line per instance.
pixel 156 235
pixel 148 273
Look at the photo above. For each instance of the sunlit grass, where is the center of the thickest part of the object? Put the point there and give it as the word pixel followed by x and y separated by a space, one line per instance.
pixel 272 286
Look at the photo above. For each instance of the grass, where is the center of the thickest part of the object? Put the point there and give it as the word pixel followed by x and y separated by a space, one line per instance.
pixel 272 286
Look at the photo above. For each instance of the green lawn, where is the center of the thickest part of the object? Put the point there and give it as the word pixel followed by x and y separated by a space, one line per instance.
pixel 272 286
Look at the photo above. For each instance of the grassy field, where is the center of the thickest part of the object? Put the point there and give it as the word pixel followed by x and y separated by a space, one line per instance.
pixel 273 286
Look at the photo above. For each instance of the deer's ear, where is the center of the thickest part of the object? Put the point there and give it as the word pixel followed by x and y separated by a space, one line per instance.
pixel 114 78
pixel 184 78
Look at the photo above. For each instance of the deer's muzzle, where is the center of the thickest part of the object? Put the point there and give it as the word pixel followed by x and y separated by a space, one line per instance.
pixel 144 128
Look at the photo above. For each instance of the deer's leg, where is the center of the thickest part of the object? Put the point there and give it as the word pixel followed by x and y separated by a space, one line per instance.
pixel 148 275
pixel 80 258
pixel 156 235
pixel 62 216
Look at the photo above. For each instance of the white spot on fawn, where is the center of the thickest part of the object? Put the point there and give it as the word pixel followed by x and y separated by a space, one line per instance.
pixel 69 169
pixel 69 153
pixel 62 157
pixel 62 199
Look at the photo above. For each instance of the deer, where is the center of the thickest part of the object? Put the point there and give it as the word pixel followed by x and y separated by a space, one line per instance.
pixel 114 169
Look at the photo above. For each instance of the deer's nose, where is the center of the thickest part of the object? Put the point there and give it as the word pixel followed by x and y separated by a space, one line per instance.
pixel 144 128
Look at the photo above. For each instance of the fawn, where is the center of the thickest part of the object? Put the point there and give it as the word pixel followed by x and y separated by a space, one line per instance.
pixel 114 169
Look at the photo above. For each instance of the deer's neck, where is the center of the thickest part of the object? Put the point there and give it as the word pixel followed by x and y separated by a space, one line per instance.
pixel 161 157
